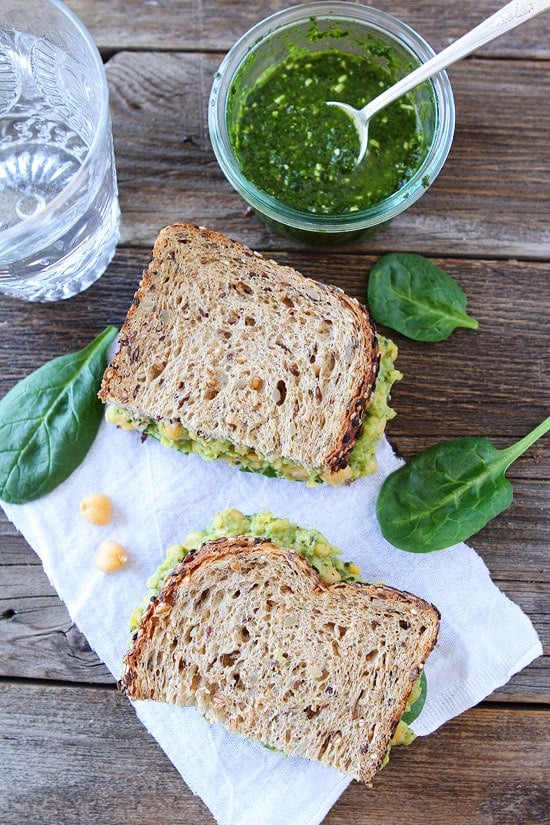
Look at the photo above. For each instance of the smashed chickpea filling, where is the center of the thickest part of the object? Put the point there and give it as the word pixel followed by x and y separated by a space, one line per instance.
pixel 361 459
pixel 324 556
pixel 230 523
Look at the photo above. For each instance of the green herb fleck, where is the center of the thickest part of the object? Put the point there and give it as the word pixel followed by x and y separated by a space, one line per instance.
pixel 415 708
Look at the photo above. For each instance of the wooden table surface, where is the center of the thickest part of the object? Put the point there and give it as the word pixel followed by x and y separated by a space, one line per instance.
pixel 72 750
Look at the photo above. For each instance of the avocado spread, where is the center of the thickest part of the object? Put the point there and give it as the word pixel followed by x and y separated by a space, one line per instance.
pixel 325 557
pixel 310 543
pixel 361 460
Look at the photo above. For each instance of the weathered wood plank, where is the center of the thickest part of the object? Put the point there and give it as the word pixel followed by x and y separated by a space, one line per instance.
pixel 493 381
pixel 38 639
pixel 490 200
pixel 71 753
pixel 211 24
pixel 477 769
pixel 92 761
pixel 74 755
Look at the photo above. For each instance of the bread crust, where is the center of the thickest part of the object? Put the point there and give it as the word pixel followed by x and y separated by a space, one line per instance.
pixel 232 564
pixel 148 367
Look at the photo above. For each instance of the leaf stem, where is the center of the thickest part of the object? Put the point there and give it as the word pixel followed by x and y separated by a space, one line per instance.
pixel 510 454
pixel 468 322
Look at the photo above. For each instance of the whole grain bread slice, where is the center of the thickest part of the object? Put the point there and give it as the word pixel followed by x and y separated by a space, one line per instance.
pixel 240 349
pixel 248 632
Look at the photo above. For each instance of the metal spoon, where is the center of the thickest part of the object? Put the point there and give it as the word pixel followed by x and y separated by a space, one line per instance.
pixel 508 17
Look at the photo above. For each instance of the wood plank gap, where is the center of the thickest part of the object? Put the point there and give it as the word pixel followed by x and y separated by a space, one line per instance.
pixel 489 704
pixel 107 54
pixel 508 57
pixel 349 251
pixel 63 683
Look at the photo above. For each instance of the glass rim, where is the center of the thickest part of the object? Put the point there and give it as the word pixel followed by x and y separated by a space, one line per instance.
pixel 35 222
pixel 382 22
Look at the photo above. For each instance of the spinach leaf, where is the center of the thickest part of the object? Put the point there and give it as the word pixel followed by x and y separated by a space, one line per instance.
pixel 416 707
pixel 411 295
pixel 449 492
pixel 49 420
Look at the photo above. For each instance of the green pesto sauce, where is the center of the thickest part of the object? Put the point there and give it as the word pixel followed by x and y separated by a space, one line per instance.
pixel 294 147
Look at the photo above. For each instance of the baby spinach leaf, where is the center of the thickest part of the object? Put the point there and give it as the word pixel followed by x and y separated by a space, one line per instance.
pixel 411 295
pixel 449 492
pixel 49 420
pixel 416 708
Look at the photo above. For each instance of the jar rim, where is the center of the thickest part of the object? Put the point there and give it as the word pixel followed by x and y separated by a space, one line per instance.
pixel 378 22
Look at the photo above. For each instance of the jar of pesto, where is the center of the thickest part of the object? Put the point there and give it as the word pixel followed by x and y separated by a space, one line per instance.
pixel 292 157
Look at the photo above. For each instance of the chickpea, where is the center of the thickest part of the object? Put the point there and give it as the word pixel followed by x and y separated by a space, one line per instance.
pixel 193 538
pixel 111 556
pixel 331 577
pixel 171 431
pixel 97 508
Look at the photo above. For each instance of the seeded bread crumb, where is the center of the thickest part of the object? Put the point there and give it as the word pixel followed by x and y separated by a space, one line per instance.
pixel 238 348
pixel 248 633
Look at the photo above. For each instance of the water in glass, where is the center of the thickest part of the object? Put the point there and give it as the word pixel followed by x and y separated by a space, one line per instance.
pixel 59 211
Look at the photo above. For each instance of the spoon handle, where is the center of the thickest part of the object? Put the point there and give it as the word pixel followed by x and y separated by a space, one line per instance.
pixel 508 17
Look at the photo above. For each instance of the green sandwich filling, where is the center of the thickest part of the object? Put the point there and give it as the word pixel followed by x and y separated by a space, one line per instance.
pixel 361 460
pixel 325 557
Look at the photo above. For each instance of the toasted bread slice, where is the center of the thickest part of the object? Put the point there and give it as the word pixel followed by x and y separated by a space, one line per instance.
pixel 248 632
pixel 231 355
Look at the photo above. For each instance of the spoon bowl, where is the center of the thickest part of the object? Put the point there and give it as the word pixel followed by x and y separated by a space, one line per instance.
pixel 510 16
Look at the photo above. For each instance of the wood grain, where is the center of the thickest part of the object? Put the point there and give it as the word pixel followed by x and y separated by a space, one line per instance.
pixel 39 641
pixel 71 748
pixel 37 637
pixel 491 196
pixel 103 767
pixel 500 385
pixel 216 24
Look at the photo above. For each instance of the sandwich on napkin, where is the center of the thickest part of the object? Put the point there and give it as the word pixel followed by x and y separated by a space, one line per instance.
pixel 260 625
pixel 229 355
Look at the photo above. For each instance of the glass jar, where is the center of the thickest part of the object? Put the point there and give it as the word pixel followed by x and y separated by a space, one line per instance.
pixel 349 28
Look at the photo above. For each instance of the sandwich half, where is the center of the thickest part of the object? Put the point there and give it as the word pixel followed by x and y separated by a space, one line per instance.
pixel 229 355
pixel 313 664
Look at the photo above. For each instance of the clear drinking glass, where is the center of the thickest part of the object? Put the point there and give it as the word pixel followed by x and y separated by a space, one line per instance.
pixel 59 212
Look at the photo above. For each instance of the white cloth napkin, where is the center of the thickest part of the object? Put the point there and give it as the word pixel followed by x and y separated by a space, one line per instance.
pixel 159 496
